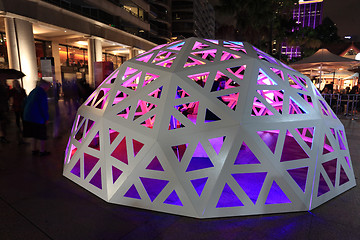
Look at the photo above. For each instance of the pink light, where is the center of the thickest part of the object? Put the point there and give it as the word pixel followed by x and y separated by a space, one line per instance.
pixel 72 152
pixel 238 71
pixel 119 97
pixel 200 78
pixel 176 46
pixel 191 62
pixel 212 41
pixel 263 79
pixel 162 55
pixel 230 100
pixel 132 82
pixel 227 56
pixel 124 113
pixel 143 107
pixel 149 78
pixel 145 58
pixel 259 109
pixel 199 45
pixel 128 72
pixel 167 63
pixel 207 54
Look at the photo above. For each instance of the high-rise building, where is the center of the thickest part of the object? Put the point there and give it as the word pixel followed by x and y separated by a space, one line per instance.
pixel 193 18
pixel 160 21
pixel 307 13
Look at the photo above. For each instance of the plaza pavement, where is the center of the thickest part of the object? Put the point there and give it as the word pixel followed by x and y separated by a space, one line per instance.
pixel 37 202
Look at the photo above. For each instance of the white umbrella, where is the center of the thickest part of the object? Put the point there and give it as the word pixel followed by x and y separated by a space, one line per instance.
pixel 323 60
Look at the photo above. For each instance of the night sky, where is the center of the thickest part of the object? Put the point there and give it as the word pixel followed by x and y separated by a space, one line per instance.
pixel 346 15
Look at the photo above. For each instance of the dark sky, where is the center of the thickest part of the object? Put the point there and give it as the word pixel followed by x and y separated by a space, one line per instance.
pixel 346 15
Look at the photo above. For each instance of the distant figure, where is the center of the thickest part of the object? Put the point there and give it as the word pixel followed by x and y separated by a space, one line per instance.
pixel 219 84
pixel 355 89
pixel 325 90
pixel 36 116
pixel 18 96
pixel 4 109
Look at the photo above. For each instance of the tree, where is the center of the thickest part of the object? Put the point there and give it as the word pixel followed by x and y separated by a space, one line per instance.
pixel 310 40
pixel 327 32
pixel 261 21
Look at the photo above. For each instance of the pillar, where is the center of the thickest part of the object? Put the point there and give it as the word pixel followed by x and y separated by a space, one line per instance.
pixel 94 55
pixel 132 52
pixel 21 50
pixel 56 55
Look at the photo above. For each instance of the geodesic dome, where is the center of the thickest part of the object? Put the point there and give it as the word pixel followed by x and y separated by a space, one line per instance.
pixel 209 128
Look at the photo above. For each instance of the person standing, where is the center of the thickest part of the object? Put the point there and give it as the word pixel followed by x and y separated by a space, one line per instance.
pixel 18 96
pixel 36 116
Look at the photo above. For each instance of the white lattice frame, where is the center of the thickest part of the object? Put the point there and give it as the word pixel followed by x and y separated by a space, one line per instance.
pixel 237 126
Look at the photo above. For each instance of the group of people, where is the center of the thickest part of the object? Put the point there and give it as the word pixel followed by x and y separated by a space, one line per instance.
pixel 329 89
pixel 31 113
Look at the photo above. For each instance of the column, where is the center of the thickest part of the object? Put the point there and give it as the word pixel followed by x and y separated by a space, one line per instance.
pixel 94 55
pixel 21 50
pixel 132 52
pixel 56 56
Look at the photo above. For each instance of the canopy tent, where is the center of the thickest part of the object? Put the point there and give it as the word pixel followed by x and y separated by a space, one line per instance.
pixel 338 74
pixel 355 75
pixel 323 60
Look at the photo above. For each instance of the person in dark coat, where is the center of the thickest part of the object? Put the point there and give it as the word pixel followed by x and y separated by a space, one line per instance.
pixel 4 109
pixel 18 97
pixel 36 116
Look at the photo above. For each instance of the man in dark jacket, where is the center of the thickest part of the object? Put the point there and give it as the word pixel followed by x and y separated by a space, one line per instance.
pixel 36 116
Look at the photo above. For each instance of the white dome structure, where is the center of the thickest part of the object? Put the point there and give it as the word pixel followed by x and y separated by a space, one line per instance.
pixel 209 128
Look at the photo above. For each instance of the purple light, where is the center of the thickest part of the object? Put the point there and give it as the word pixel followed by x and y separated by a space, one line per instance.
pixel 330 169
pixel 228 198
pixel 173 199
pixel 76 169
pixel 153 187
pixel 276 195
pixel 292 150
pixel 323 187
pixel 341 144
pixel 96 180
pixel 300 176
pixel 89 163
pixel 343 177
pixel 269 138
pixel 116 173
pixel 251 183
pixel 245 156
pixel 199 160
pixel 155 165
pixel 132 193
pixel 199 184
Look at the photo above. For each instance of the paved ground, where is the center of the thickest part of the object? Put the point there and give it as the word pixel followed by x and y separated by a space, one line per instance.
pixel 37 202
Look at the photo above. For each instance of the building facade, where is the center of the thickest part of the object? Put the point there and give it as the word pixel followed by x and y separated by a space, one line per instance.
pixel 80 36
pixel 160 21
pixel 193 18
pixel 307 13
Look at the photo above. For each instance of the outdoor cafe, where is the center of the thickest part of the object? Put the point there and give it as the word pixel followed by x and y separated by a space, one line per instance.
pixel 336 78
